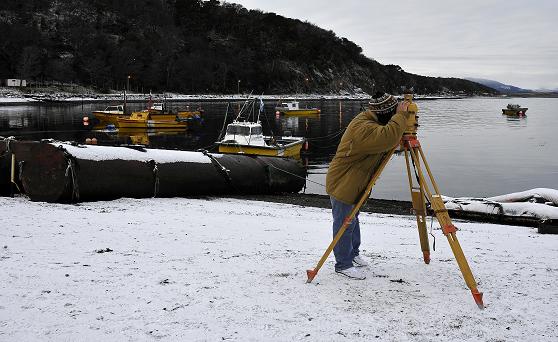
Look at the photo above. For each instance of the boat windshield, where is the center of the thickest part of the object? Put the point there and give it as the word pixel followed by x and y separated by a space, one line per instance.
pixel 238 130
pixel 115 108
pixel 256 130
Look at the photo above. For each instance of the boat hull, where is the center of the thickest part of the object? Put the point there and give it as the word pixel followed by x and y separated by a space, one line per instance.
pixel 289 150
pixel 109 118
pixel 113 118
pixel 515 112
pixel 309 111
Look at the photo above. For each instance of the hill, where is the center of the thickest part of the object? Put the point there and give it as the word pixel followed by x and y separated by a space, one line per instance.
pixel 191 46
pixel 500 87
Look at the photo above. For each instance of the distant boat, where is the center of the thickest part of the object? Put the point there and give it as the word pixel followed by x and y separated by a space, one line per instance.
pixel 159 108
pixel 246 137
pixel 156 111
pixel 145 119
pixel 514 110
pixel 109 114
pixel 292 108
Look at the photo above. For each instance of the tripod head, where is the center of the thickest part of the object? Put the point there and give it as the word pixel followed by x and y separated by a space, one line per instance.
pixel 412 121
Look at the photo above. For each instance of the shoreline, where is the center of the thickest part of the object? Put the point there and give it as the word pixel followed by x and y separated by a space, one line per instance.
pixel 135 98
pixel 391 207
pixel 372 205
pixel 16 97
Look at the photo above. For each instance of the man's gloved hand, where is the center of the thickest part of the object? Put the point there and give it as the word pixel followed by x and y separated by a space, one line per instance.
pixel 402 107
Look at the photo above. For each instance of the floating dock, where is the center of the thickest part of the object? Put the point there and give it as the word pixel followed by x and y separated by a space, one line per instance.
pixel 67 173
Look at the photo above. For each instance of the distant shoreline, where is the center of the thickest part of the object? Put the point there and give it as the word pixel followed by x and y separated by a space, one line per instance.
pixel 18 98
pixel 139 98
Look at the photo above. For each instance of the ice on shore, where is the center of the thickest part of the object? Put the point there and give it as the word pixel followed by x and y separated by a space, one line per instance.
pixel 539 203
pixel 227 269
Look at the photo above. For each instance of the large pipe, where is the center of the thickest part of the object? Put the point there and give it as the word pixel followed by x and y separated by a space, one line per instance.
pixel 61 172
pixel 5 166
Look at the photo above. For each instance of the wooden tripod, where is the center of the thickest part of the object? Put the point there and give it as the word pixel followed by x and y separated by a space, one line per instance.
pixel 413 153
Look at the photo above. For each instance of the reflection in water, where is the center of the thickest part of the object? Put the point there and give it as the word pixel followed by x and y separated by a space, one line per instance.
pixel 134 136
pixel 472 148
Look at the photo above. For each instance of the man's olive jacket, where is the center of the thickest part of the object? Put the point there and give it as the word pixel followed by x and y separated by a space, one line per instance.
pixel 359 154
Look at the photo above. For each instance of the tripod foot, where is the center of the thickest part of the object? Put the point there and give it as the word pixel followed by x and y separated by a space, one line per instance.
pixel 478 298
pixel 426 256
pixel 311 274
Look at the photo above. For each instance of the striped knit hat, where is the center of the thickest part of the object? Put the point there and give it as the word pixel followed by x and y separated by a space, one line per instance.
pixel 382 103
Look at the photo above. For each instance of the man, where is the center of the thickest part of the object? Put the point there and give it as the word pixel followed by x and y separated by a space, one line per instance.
pixel 368 137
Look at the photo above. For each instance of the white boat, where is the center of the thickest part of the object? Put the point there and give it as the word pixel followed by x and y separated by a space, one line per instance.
pixel 293 108
pixel 247 137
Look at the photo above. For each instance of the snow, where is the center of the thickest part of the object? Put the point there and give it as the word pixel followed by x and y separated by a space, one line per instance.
pixel 227 269
pixel 124 153
pixel 549 195
pixel 541 203
pixel 15 100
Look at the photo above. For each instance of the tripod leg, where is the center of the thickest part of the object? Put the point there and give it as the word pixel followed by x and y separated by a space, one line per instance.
pixel 419 207
pixel 311 273
pixel 448 228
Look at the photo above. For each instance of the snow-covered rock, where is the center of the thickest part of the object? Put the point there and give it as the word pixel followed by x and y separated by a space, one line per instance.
pixel 540 203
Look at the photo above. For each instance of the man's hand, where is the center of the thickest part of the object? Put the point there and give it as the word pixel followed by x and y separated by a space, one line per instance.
pixel 403 106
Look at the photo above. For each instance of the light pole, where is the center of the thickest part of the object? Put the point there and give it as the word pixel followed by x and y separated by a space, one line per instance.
pixel 128 83
pixel 238 87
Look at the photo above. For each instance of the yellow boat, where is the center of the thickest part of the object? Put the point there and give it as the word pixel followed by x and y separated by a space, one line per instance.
pixel 145 119
pixel 247 138
pixel 514 110
pixel 110 114
pixel 293 108
pixel 157 111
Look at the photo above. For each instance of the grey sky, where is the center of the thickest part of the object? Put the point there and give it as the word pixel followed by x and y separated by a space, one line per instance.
pixel 514 42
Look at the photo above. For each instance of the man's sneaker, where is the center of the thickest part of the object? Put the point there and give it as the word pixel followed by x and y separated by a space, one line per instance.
pixel 358 261
pixel 352 273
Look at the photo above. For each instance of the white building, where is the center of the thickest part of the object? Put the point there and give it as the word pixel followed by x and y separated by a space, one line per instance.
pixel 14 82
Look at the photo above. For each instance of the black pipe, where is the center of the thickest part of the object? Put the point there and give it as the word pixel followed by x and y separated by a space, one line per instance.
pixel 55 172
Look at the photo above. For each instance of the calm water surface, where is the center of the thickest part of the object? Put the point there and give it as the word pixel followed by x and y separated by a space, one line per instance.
pixel 472 149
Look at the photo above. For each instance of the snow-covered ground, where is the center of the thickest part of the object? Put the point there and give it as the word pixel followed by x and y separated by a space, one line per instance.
pixel 227 269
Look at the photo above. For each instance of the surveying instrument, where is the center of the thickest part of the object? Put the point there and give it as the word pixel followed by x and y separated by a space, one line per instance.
pixel 420 190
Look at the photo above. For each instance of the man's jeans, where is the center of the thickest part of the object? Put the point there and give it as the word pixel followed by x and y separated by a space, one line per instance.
pixel 347 247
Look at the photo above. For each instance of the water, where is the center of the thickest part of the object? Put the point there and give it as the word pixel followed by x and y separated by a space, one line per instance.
pixel 472 149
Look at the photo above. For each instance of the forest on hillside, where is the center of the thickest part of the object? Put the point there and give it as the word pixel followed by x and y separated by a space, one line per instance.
pixel 190 46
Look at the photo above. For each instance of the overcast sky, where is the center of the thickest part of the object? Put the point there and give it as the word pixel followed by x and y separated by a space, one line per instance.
pixel 514 42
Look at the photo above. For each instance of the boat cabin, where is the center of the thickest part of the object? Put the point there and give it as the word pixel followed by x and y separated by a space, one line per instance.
pixel 157 106
pixel 114 109
pixel 244 133
pixel 293 105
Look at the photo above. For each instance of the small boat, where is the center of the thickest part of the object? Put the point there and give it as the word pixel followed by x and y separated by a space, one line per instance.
pixel 144 119
pixel 515 110
pixel 293 108
pixel 157 111
pixel 159 108
pixel 246 137
pixel 110 114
